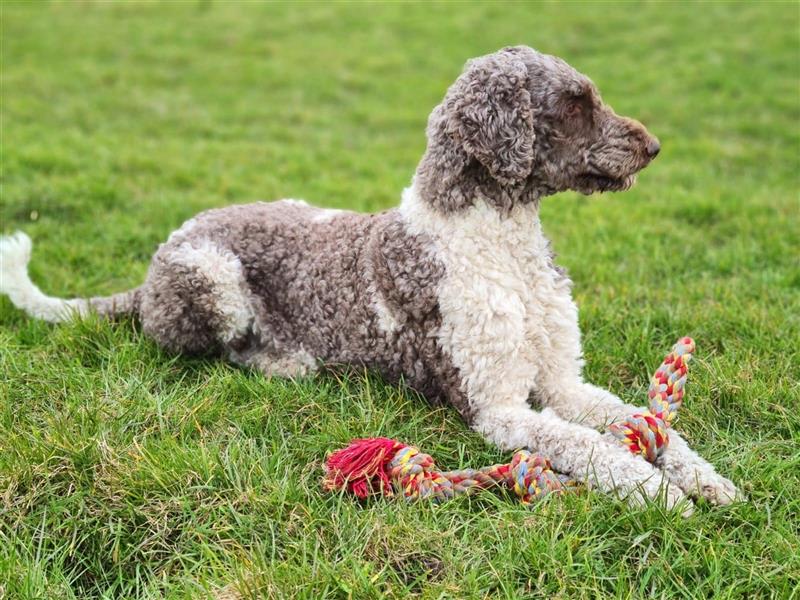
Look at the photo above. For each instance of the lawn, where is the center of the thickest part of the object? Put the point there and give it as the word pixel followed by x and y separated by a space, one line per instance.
pixel 126 472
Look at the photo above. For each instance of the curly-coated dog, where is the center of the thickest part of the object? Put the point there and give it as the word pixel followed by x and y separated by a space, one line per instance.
pixel 455 291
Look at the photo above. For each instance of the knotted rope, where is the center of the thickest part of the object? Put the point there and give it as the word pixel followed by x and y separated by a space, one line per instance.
pixel 646 433
pixel 389 467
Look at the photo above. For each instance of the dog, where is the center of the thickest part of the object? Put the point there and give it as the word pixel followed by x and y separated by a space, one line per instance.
pixel 455 292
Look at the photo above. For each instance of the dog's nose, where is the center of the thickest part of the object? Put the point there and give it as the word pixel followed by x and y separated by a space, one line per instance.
pixel 653 147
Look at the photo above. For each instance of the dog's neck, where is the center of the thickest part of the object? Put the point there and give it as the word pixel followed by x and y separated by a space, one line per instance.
pixel 480 225
pixel 449 181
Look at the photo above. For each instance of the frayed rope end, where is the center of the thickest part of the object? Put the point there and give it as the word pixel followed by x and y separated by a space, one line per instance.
pixel 361 467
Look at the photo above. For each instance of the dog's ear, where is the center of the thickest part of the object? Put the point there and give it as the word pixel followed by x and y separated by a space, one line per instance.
pixel 490 115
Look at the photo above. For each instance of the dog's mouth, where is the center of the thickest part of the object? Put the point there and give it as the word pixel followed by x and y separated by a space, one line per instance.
pixel 595 182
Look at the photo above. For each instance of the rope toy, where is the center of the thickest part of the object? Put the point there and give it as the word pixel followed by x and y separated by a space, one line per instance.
pixel 388 467
pixel 383 465
pixel 646 433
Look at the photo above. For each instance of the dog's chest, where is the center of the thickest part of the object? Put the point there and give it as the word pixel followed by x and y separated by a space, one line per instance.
pixel 494 297
pixel 498 270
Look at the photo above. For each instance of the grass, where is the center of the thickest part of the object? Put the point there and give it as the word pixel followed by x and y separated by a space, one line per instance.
pixel 126 472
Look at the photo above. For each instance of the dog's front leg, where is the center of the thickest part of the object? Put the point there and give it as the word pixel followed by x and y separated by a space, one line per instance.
pixel 578 451
pixel 560 386
pixel 595 407
pixel 493 346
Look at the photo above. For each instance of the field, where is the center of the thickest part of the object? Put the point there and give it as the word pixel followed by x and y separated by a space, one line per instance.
pixel 126 472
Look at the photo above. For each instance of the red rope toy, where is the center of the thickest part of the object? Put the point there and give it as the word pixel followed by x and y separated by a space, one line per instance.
pixel 386 466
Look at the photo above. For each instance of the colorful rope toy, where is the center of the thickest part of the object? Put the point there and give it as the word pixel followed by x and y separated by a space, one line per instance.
pixel 646 433
pixel 389 467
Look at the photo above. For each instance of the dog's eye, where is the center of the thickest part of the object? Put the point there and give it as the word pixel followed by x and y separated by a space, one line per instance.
pixel 573 109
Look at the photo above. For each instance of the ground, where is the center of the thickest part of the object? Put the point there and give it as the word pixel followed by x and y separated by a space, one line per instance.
pixel 127 472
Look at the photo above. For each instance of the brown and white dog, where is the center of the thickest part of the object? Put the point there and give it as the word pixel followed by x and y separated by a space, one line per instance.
pixel 455 291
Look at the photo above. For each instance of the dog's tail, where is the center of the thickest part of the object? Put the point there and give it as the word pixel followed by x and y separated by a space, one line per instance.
pixel 15 252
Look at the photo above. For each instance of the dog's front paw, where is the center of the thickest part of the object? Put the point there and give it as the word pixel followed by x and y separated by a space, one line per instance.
pixel 702 481
pixel 695 476
pixel 718 490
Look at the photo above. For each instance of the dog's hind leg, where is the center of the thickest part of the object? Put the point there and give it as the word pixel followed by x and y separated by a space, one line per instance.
pixel 271 363
pixel 195 298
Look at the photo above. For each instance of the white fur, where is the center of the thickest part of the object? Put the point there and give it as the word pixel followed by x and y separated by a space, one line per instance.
pixel 294 364
pixel 224 271
pixel 183 229
pixel 15 252
pixel 485 297
pixel 386 320
pixel 320 215
pixel 510 327
pixel 326 214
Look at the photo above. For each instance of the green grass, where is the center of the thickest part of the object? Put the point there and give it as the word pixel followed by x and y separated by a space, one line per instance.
pixel 126 472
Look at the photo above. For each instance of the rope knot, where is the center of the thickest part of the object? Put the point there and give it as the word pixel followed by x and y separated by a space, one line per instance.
pixel 531 477
pixel 647 433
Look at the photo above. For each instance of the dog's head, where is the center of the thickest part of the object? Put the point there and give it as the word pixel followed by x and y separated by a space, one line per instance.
pixel 519 119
